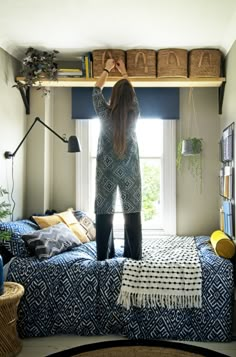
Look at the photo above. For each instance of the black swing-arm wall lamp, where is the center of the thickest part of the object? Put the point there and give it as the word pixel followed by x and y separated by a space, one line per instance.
pixel 73 143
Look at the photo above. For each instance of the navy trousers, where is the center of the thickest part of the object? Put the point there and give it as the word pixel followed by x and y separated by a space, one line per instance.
pixel 132 236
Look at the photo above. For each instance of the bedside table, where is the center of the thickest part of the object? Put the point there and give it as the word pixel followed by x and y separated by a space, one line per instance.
pixel 10 343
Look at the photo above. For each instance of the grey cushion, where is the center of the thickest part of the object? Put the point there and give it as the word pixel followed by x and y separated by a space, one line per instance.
pixel 51 241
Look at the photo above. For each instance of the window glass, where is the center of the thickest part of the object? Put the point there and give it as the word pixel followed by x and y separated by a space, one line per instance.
pixel 150 139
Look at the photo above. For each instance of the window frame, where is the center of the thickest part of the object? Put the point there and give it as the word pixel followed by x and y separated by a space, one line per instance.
pixel 168 176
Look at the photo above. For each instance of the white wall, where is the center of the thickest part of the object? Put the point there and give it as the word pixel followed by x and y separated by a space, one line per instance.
pixel 50 177
pixel 197 211
pixel 12 129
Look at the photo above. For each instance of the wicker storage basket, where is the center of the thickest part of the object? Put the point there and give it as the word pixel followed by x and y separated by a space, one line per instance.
pixel 172 63
pixel 101 56
pixel 10 343
pixel 141 63
pixel 205 63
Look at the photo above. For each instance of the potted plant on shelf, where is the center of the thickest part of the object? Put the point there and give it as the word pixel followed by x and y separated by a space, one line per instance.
pixel 38 65
pixel 4 212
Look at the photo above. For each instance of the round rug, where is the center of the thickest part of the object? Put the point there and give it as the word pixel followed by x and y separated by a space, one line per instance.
pixel 137 348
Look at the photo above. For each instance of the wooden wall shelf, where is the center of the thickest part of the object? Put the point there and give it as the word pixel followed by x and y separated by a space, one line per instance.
pixel 137 82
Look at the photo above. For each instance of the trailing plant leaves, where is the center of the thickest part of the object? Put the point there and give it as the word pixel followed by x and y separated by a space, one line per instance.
pixel 4 212
pixel 38 65
pixel 193 162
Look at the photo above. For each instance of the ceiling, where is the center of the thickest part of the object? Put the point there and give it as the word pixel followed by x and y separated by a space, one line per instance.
pixel 74 27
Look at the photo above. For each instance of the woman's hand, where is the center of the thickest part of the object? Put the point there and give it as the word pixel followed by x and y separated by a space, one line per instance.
pixel 110 64
pixel 121 67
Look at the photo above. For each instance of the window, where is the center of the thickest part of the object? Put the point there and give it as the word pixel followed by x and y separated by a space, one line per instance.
pixel 157 158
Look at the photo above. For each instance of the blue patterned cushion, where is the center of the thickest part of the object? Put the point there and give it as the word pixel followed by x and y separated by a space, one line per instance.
pixel 50 241
pixel 87 223
pixel 16 245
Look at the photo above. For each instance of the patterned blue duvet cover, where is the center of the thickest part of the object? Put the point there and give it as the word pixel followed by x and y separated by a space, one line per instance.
pixel 72 293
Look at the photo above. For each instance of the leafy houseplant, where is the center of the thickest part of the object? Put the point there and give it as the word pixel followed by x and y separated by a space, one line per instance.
pixel 37 65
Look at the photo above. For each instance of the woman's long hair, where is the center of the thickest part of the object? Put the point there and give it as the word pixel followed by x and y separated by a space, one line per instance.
pixel 122 114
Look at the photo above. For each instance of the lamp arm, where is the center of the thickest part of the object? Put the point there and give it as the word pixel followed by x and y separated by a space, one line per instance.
pixel 13 154
pixel 48 127
pixel 8 154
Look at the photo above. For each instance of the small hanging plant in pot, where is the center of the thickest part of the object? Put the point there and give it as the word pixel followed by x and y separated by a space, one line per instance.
pixel 191 148
pixel 38 65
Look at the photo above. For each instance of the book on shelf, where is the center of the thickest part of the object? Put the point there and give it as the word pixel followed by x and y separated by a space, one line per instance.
pixel 228 217
pixel 221 219
pixel 70 72
pixel 222 181
pixel 86 61
pixel 227 144
pixel 88 65
pixel 73 68
pixel 228 181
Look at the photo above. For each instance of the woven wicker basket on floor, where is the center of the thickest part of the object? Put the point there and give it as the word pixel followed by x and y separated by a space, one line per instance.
pixel 141 63
pixel 10 344
pixel 101 56
pixel 172 63
pixel 205 63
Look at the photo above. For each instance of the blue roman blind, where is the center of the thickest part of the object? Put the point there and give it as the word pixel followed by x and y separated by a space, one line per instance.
pixel 160 103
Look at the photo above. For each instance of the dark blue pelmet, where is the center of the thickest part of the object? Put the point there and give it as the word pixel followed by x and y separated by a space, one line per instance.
pixel 160 103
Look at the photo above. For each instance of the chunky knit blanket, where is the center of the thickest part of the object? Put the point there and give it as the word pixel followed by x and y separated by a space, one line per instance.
pixel 169 275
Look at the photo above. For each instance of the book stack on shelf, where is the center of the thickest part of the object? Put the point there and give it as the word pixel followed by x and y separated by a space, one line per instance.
pixel 227 181
pixel 70 72
pixel 81 68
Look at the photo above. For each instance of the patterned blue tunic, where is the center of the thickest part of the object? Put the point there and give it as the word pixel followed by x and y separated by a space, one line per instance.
pixel 111 171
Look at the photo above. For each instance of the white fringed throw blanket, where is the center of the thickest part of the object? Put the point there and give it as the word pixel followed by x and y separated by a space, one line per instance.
pixel 169 275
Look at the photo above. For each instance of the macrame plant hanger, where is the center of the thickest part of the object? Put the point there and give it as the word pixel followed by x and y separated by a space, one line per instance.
pixel 190 146
pixel 190 143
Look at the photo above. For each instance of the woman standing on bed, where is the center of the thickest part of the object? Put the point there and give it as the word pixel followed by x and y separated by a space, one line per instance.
pixel 117 164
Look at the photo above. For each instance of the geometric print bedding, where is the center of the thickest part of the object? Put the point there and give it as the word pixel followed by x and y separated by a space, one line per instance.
pixel 73 293
pixel 16 246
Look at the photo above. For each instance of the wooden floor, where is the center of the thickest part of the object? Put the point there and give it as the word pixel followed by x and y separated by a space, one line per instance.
pixel 42 346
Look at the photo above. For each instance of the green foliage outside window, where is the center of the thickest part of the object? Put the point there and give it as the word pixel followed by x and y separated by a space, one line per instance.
pixel 151 190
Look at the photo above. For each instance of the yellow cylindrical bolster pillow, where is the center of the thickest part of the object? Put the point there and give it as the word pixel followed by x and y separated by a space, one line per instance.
pixel 222 244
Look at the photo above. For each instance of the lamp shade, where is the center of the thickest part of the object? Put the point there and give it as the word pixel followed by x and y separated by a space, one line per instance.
pixel 73 144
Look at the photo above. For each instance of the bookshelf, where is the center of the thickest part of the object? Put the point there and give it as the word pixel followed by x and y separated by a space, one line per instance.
pixel 136 81
pixel 226 181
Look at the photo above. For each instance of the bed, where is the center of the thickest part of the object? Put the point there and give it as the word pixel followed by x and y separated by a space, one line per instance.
pixel 73 293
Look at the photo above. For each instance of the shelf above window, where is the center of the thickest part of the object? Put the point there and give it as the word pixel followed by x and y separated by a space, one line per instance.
pixel 137 82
